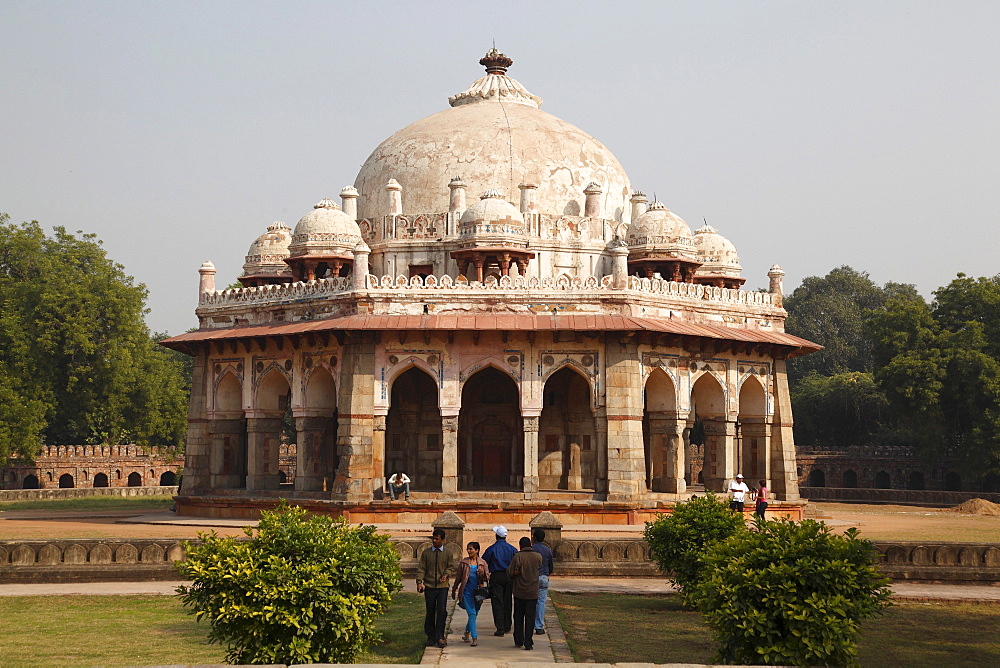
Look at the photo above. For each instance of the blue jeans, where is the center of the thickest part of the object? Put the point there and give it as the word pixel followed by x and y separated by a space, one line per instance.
pixel 543 595
pixel 396 489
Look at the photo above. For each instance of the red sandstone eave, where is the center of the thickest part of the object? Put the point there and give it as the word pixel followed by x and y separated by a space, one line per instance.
pixel 573 322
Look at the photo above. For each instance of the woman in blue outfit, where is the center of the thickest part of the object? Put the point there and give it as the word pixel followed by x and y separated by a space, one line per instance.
pixel 472 572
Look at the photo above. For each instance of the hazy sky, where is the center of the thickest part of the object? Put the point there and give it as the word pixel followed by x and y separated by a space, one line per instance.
pixel 812 134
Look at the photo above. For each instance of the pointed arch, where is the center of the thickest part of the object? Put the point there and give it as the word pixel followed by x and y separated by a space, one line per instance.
pixel 405 365
pixel 708 397
pixel 490 431
pixel 272 392
pixel 228 394
pixel 567 431
pixel 753 440
pixel 662 427
pixel 413 430
pixel 753 397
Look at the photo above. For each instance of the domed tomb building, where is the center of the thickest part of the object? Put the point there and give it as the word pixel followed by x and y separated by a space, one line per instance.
pixel 494 310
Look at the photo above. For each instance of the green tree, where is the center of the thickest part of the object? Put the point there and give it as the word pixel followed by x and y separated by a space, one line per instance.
pixel 73 337
pixel 842 409
pixel 790 594
pixel 22 420
pixel 966 300
pixel 303 589
pixel 830 310
pixel 678 540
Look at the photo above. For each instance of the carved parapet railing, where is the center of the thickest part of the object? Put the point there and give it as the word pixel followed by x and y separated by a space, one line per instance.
pixel 130 451
pixel 926 497
pixel 603 557
pixel 78 492
pixel 89 560
pixel 322 287
pixel 939 561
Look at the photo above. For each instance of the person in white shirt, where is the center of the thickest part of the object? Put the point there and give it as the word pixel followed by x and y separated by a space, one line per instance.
pixel 399 483
pixel 739 490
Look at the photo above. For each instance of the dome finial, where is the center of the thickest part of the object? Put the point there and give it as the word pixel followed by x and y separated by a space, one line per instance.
pixel 495 62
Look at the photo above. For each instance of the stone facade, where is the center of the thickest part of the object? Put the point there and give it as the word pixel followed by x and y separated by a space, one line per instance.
pixel 559 345
pixel 71 466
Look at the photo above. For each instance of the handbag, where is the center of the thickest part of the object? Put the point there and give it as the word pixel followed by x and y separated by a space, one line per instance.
pixel 481 593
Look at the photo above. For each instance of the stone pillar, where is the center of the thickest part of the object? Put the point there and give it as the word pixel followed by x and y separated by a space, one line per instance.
pixel 206 279
pixel 530 455
pixel 619 256
pixel 196 451
pixel 315 446
pixel 228 453
pixel 263 440
pixel 378 455
pixel 457 202
pixel 592 205
pixel 625 452
pixel 528 204
pixel 449 454
pixel 776 274
pixel 785 482
pixel 639 203
pixel 454 530
pixel 574 476
pixel 755 434
pixel 720 453
pixel 356 420
pixel 394 192
pixel 349 201
pixel 601 424
pixel 550 524
pixel 359 272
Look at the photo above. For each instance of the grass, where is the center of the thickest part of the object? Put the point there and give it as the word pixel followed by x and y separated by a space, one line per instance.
pixel 661 631
pixel 150 503
pixel 153 630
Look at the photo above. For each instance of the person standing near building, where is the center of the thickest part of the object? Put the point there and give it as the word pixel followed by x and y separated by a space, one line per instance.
pixel 523 571
pixel 472 572
pixel 548 565
pixel 399 483
pixel 434 568
pixel 739 490
pixel 761 500
pixel 498 557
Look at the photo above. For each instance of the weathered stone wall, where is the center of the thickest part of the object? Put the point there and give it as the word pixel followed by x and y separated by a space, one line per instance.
pixel 94 466
pixel 904 496
pixel 76 493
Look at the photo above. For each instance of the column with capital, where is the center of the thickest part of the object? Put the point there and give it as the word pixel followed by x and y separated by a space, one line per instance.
pixel 449 454
pixel 378 454
pixel 530 455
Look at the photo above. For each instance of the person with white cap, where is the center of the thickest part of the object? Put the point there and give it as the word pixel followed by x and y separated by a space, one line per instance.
pixel 498 557
pixel 739 490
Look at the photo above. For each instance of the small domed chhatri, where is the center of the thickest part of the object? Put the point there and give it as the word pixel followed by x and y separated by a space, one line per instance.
pixel 493 310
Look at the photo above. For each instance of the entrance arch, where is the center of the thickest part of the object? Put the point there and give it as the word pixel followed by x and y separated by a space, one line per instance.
pixel 167 479
pixel 66 481
pixel 266 425
pixel 228 434
pixel 100 480
pixel 134 479
pixel 662 435
pixel 316 457
pixel 567 434
pixel 30 482
pixel 708 405
pixel 413 434
pixel 490 433
pixel 753 432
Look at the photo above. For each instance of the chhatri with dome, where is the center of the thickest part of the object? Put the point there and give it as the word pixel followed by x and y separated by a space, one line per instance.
pixel 494 310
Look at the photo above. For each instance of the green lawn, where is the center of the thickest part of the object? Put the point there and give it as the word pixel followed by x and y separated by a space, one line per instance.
pixel 150 503
pixel 152 630
pixel 661 631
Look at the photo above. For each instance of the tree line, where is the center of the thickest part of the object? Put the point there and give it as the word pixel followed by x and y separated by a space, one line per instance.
pixel 899 370
pixel 77 363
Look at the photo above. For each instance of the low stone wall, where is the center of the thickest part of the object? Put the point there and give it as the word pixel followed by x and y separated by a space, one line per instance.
pixel 946 562
pixel 901 496
pixel 103 560
pixel 79 492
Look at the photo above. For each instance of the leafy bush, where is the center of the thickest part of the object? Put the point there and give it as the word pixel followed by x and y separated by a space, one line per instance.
pixel 304 589
pixel 677 540
pixel 790 593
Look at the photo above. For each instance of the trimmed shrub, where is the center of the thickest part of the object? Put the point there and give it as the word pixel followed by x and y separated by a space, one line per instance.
pixel 677 540
pixel 302 589
pixel 790 593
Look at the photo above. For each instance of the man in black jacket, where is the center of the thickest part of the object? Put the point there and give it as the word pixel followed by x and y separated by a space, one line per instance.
pixel 434 568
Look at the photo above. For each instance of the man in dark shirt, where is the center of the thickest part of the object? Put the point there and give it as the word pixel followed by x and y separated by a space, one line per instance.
pixel 498 556
pixel 523 570
pixel 434 567
pixel 546 569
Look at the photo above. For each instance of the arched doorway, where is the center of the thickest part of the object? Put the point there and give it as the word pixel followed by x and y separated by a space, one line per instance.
pixel 315 434
pixel 708 406
pixel 850 479
pixel 65 481
pixel 168 479
pixel 413 435
pixel 490 433
pixel 817 478
pixel 952 482
pixel 882 480
pixel 30 482
pixel 134 479
pixel 753 432
pixel 662 435
pixel 228 436
pixel 915 480
pixel 567 435
pixel 267 424
pixel 100 480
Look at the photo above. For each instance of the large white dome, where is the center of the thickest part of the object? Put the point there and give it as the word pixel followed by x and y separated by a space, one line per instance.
pixel 493 136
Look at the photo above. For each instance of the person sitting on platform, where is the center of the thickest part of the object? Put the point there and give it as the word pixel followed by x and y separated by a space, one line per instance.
pixel 399 483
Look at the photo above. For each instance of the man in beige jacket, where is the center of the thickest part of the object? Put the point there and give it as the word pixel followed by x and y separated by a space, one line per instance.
pixel 523 570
